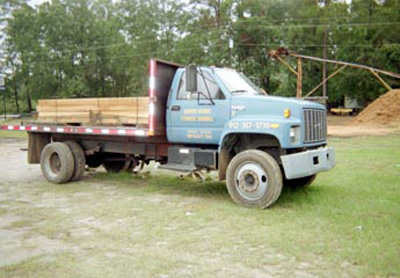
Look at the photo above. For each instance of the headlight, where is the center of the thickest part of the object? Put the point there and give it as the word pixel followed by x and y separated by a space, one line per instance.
pixel 294 135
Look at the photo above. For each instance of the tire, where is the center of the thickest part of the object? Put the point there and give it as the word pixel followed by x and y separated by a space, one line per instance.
pixel 300 182
pixel 254 179
pixel 57 163
pixel 132 165
pixel 79 160
pixel 94 161
pixel 117 166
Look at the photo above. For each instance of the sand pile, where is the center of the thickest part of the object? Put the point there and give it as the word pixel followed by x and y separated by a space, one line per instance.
pixel 383 111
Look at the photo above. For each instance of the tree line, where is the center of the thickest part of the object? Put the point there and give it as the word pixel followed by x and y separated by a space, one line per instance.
pixel 87 48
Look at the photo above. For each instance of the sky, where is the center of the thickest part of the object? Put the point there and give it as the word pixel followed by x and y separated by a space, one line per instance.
pixel 38 2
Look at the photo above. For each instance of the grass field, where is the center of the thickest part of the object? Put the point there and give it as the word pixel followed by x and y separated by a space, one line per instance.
pixel 12 134
pixel 347 224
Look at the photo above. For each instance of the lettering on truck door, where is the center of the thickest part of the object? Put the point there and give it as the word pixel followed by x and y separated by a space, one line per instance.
pixel 199 119
pixel 179 120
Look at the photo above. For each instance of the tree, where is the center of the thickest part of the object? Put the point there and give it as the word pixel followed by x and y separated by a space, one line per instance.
pixel 79 48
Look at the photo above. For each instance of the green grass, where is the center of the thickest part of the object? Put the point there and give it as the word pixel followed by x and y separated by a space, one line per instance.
pixel 13 134
pixel 15 121
pixel 115 225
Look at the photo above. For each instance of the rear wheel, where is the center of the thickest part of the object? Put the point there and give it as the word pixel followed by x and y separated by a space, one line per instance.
pixel 94 161
pixel 57 162
pixel 79 160
pixel 300 182
pixel 117 163
pixel 254 179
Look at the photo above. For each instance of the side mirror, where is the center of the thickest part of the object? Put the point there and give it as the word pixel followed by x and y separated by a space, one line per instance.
pixel 191 78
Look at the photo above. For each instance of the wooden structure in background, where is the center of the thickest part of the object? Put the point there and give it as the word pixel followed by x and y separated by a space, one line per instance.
pixel 276 54
pixel 129 111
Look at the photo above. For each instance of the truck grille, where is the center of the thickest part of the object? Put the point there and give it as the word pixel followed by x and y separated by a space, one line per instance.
pixel 315 125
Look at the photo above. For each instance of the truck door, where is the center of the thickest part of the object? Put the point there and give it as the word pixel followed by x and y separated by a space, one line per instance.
pixel 179 120
pixel 199 120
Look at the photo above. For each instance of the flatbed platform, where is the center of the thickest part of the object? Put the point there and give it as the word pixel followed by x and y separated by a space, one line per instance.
pixel 92 130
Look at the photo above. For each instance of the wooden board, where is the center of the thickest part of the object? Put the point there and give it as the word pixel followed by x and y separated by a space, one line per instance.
pixel 341 111
pixel 95 111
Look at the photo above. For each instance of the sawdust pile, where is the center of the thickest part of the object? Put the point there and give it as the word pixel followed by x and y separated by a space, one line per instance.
pixel 383 111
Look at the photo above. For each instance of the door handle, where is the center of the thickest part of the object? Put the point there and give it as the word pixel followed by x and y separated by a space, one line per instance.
pixel 175 108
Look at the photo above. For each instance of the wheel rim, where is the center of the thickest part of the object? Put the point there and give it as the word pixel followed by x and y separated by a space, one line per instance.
pixel 53 165
pixel 251 181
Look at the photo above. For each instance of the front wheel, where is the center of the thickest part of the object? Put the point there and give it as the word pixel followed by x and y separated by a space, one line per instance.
pixel 254 179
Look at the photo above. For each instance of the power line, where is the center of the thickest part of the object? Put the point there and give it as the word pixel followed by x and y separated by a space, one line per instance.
pixel 349 16
pixel 245 20
pixel 242 42
pixel 332 25
pixel 141 41
pixel 156 52
pixel 316 45
pixel 123 56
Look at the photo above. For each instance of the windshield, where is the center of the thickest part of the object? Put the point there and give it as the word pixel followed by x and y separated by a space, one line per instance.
pixel 237 83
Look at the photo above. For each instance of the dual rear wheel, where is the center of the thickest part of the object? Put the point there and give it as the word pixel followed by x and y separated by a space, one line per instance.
pixel 62 162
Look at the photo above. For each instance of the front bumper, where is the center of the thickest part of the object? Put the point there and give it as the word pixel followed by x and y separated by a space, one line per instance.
pixel 308 163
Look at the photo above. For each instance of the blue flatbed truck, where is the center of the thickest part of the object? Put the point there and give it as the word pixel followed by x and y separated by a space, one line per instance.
pixel 199 118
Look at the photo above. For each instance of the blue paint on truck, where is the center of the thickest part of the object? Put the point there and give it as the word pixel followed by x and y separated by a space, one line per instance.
pixel 233 113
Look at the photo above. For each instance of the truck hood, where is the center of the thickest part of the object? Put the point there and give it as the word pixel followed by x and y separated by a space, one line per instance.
pixel 269 105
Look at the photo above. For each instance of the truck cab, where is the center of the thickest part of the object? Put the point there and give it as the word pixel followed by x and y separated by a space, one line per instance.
pixel 218 114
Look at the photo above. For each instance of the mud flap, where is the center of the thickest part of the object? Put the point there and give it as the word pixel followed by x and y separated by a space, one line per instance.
pixel 36 143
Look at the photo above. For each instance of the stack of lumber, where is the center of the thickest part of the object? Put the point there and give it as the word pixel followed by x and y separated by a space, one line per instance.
pixel 95 111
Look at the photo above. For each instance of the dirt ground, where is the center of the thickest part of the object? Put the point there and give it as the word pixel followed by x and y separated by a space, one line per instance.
pixel 13 162
pixel 342 126
pixel 94 228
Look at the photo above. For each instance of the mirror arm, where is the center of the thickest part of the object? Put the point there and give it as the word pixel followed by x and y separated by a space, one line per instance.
pixel 208 90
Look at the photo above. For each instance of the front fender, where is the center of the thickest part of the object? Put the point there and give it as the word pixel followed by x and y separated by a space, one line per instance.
pixel 278 127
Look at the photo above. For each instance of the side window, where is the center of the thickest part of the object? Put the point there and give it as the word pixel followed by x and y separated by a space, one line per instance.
pixel 202 85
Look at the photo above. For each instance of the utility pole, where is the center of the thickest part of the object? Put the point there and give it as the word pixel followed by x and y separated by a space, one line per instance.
pixel 2 88
pixel 230 48
pixel 325 51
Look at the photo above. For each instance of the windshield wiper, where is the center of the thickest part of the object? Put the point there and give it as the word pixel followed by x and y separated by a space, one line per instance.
pixel 239 91
pixel 246 91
